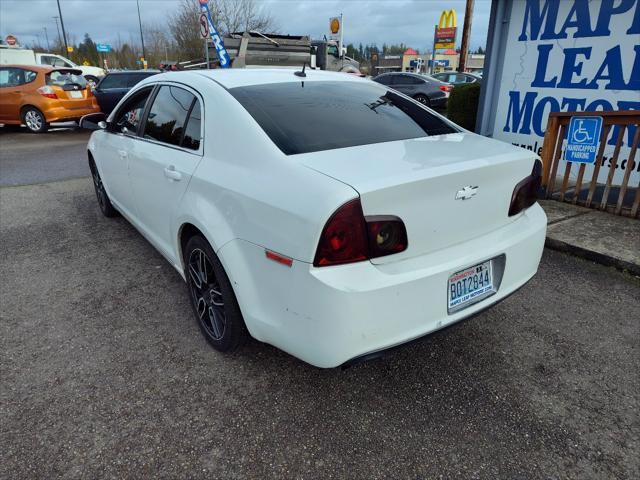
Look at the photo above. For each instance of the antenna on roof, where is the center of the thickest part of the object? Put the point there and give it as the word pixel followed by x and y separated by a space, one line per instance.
pixel 301 72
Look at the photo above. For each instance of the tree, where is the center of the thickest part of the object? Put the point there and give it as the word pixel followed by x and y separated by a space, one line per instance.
pixel 227 15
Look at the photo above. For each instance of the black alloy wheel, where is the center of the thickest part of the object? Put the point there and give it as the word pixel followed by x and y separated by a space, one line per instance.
pixel 212 298
pixel 423 99
pixel 101 194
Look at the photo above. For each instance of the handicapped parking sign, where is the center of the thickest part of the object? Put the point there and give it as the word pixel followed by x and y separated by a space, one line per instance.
pixel 583 139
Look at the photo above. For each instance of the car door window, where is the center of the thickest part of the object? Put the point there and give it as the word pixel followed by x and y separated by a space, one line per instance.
pixel 113 81
pixel 134 78
pixel 128 117
pixel 332 50
pixel 4 77
pixel 384 80
pixel 168 114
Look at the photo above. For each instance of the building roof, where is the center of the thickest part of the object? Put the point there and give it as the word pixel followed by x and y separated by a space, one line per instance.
pixel 451 51
pixel 410 51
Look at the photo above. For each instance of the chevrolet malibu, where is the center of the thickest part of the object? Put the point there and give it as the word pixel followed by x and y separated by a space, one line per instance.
pixel 321 213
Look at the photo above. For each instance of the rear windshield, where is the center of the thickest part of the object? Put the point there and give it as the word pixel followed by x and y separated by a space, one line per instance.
pixel 303 117
pixel 61 78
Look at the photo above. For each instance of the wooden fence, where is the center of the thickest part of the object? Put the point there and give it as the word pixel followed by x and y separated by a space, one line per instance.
pixel 595 193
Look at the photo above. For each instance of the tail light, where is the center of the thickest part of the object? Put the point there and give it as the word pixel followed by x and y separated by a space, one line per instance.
pixel 526 191
pixel 350 237
pixel 446 88
pixel 47 91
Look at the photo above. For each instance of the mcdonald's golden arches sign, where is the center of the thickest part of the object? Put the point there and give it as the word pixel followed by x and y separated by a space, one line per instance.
pixel 447 30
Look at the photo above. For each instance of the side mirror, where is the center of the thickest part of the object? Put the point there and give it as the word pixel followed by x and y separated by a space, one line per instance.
pixel 93 121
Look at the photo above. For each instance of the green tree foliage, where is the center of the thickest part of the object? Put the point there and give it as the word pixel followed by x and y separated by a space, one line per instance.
pixel 462 107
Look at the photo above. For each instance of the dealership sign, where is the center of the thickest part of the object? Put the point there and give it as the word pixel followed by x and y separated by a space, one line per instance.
pixel 561 55
pixel 446 30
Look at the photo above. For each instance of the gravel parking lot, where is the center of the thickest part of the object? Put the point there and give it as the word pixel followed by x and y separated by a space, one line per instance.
pixel 104 372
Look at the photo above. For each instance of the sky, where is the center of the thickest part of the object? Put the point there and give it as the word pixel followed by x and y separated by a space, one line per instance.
pixel 374 21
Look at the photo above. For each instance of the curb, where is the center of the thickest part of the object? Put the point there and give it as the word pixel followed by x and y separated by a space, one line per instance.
pixel 602 259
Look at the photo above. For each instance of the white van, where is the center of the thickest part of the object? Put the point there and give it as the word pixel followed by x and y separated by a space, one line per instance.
pixel 22 56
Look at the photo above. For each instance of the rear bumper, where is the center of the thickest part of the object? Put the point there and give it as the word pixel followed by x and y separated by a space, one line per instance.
pixel 60 114
pixel 329 316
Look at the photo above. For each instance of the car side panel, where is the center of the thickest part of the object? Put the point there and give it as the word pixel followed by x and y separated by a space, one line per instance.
pixel 246 188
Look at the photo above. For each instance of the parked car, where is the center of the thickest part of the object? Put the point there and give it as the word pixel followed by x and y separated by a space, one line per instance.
pixel 39 95
pixel 427 90
pixel 455 78
pixel 327 215
pixel 115 85
pixel 22 56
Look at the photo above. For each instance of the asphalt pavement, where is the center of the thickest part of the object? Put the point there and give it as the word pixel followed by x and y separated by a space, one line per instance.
pixel 104 372
pixel 35 158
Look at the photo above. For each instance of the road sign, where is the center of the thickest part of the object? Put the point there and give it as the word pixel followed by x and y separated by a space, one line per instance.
pixel 10 40
pixel 103 47
pixel 204 26
pixel 583 139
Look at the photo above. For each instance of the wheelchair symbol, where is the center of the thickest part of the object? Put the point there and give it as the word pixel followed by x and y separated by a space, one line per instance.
pixel 580 134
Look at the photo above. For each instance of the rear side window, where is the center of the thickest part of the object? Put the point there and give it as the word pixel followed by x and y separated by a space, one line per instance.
pixel 14 77
pixel 113 81
pixel 168 115
pixel 60 78
pixel 303 117
pixel 193 131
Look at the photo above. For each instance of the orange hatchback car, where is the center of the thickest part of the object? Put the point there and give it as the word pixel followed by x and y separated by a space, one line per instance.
pixel 38 95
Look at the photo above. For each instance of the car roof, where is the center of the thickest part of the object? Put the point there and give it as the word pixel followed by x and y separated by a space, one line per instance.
pixel 124 72
pixel 40 68
pixel 240 77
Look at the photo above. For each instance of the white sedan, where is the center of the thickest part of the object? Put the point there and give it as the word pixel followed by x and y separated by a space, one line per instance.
pixel 324 214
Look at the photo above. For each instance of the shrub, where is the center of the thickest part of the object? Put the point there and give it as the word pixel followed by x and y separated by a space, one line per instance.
pixel 462 107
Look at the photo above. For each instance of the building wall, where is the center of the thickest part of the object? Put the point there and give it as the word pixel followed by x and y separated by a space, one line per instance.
pixel 560 55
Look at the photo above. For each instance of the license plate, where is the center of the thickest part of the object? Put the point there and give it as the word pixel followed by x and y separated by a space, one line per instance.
pixel 74 94
pixel 469 286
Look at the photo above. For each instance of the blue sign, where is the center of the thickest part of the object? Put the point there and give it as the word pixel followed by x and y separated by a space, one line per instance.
pixel 103 47
pixel 583 139
pixel 440 63
pixel 223 55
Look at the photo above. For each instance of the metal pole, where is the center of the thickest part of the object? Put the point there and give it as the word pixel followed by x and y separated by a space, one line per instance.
pixel 64 34
pixel 433 52
pixel 466 33
pixel 47 37
pixel 341 38
pixel 58 29
pixel 141 37
pixel 206 52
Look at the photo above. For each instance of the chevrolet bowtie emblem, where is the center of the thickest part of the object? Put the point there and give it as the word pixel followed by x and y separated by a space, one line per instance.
pixel 466 193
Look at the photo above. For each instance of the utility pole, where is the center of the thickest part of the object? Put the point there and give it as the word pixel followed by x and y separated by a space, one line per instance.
pixel 466 33
pixel 141 37
pixel 58 29
pixel 46 36
pixel 64 34
pixel 433 52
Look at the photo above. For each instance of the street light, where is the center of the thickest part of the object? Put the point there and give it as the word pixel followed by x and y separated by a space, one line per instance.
pixel 140 23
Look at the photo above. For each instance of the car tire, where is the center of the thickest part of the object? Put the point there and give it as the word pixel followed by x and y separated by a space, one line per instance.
pixel 212 298
pixel 92 80
pixel 423 99
pixel 34 120
pixel 106 207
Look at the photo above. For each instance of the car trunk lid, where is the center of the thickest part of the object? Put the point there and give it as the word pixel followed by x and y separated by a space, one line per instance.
pixel 446 189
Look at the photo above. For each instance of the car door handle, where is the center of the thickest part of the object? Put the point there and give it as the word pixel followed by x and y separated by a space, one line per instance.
pixel 172 174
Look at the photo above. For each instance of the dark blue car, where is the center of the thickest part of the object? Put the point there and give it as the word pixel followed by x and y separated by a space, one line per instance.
pixel 115 85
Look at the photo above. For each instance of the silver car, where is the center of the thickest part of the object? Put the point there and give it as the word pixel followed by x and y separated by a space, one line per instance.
pixel 425 89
